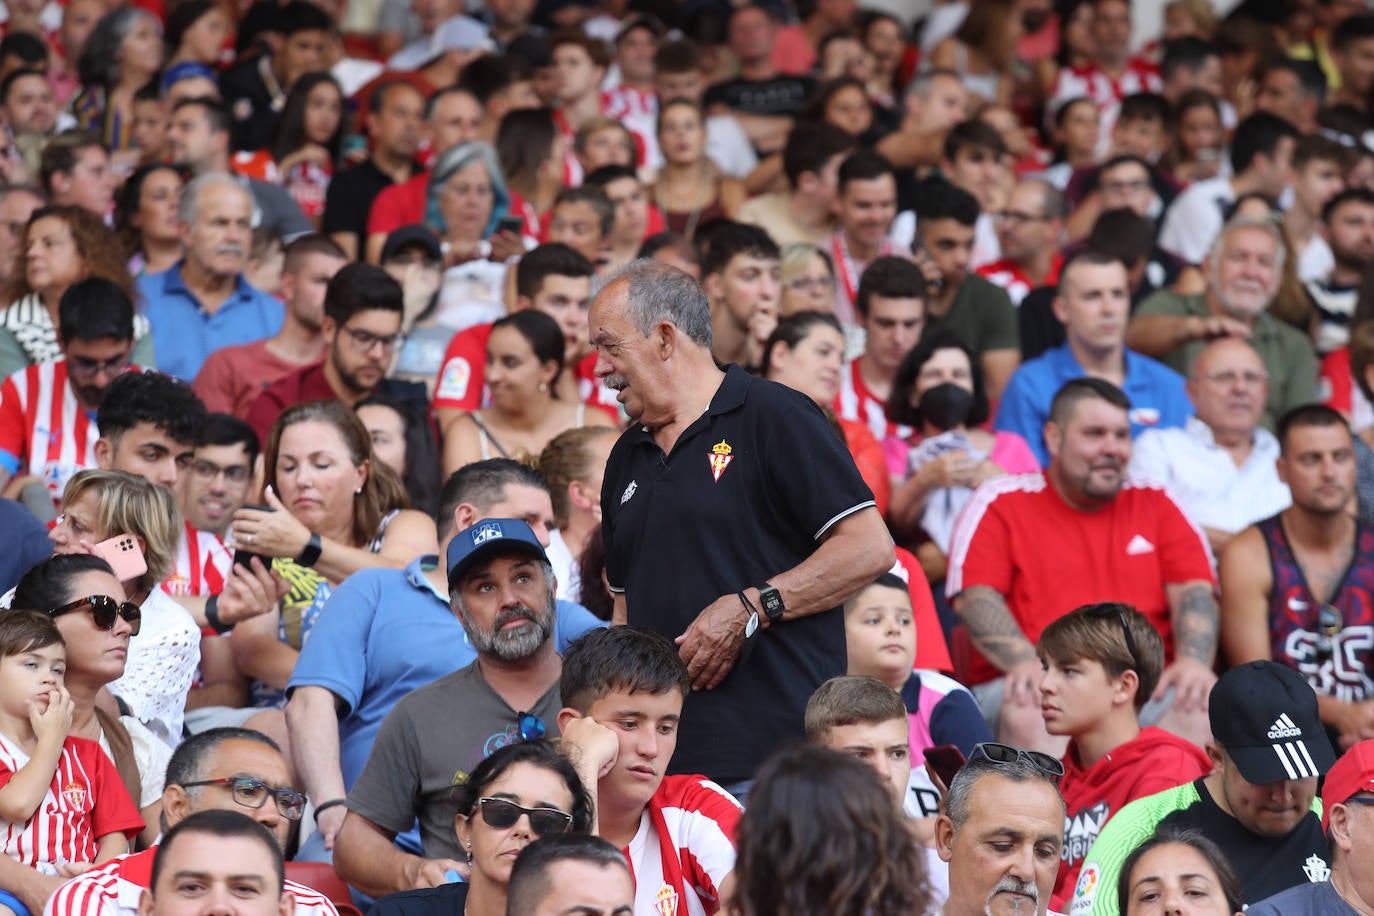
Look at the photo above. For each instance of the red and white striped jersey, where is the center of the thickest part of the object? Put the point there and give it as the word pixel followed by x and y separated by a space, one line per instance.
pixel 43 429
pixel 1089 80
pixel 202 565
pixel 1007 274
pixel 85 801
pixel 684 848
pixel 626 102
pixel 856 402
pixel 114 889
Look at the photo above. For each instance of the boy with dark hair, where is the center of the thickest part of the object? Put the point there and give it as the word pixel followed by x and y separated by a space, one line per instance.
pixel 679 73
pixel 582 218
pixel 46 427
pixel 1142 127
pixel 635 218
pixel 256 87
pixel 622 691
pixel 149 425
pixel 741 272
pixel 62 804
pixel 891 308
pixel 1102 663
pixel 1319 166
pixel 979 312
pixel 556 279
pixel 1351 43
pixel 811 162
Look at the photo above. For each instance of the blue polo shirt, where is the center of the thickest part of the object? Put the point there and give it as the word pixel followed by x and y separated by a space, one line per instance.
pixel 184 333
pixel 1159 398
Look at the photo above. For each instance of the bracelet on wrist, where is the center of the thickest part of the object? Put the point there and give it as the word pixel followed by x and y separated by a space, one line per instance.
pixel 212 616
pixel 322 807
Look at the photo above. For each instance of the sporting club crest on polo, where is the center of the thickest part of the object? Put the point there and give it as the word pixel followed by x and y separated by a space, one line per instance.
pixel 720 458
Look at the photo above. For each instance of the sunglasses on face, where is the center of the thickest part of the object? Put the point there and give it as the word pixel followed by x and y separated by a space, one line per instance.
pixel 105 610
pixel 1006 754
pixel 500 814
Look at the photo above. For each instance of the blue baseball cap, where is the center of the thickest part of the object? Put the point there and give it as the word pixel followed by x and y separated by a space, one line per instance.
pixel 490 537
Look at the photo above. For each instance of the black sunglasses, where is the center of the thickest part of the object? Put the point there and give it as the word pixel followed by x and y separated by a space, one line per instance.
pixel 1005 753
pixel 105 610
pixel 500 814
pixel 252 793
pixel 1330 622
pixel 1105 611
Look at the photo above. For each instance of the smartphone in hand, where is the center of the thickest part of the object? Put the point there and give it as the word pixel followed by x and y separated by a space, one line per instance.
pixel 123 555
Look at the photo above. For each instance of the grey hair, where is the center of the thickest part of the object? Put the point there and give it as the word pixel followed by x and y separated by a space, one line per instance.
pixel 961 786
pixel 659 292
pixel 924 82
pixel 1267 226
pixel 188 208
pixel 99 61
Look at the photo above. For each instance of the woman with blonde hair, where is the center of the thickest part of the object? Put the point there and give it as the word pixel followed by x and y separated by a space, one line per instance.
pixel 574 463
pixel 97 505
pixel 58 246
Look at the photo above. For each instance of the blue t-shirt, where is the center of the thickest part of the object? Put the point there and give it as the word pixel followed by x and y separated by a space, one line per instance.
pixel 384 633
pixel 184 334
pixel 1159 398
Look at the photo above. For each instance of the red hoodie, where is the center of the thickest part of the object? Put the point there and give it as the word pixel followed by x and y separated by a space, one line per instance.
pixel 1154 761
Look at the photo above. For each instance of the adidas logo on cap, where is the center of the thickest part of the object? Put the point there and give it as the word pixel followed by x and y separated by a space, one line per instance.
pixel 1283 727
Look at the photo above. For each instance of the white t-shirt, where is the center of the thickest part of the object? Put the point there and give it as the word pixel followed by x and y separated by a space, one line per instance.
pixel 1194 219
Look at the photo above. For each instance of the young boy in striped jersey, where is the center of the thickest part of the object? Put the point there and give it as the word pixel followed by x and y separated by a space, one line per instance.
pixel 622 692
pixel 63 807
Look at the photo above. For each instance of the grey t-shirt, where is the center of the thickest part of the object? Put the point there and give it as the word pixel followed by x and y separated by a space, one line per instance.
pixel 280 212
pixel 1304 900
pixel 427 744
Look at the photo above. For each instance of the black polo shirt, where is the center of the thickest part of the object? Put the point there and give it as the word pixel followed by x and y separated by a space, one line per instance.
pixel 350 196
pixel 778 95
pixel 746 493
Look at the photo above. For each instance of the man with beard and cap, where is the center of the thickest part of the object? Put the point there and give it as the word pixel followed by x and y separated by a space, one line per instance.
pixel 1001 832
pixel 1115 539
pixel 501 586
pixel 47 411
pixel 1259 804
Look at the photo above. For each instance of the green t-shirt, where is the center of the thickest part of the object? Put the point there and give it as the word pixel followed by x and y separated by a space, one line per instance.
pixel 981 315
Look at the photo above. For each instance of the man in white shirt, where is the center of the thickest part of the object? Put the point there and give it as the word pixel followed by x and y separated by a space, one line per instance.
pixel 1219 466
pixel 1261 153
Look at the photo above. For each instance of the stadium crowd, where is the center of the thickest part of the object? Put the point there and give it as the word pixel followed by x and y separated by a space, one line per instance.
pixel 636 457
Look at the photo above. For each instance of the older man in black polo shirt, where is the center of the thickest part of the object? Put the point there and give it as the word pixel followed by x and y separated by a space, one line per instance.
pixel 734 520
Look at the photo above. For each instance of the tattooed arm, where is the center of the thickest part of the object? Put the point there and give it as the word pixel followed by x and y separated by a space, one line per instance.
pixel 1193 610
pixel 998 637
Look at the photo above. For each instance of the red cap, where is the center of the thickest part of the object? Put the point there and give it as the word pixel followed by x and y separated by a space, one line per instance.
pixel 1352 773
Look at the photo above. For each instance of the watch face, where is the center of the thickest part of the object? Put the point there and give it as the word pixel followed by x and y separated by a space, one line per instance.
pixel 772 601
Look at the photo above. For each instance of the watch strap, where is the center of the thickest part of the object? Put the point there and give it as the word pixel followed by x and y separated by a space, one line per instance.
pixel 310 555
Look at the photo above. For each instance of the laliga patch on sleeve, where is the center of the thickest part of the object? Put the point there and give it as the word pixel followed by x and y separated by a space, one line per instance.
pixel 1085 890
pixel 454 380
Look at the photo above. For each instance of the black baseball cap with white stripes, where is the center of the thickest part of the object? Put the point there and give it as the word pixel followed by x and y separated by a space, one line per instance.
pixel 1265 715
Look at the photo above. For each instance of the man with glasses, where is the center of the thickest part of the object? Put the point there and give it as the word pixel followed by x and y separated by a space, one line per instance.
pixel 224 769
pixel 1348 806
pixel 1244 269
pixel 363 309
pixel 1102 662
pixel 1030 230
pixel 1298 587
pixel 1259 804
pixel 1001 832
pixel 47 411
pixel 501 587
pixel 232 377
pixel 1219 465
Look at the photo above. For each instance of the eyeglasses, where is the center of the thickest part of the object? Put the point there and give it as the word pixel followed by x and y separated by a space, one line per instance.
pixel 532 728
pixel 364 341
pixel 105 610
pixel 83 368
pixel 1014 218
pixel 500 814
pixel 1228 377
pixel 252 793
pixel 1106 611
pixel 208 470
pixel 1005 754
pixel 1330 622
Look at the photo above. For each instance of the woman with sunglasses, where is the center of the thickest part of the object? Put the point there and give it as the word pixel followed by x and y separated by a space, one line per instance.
pixel 520 793
pixel 96 506
pixel 98 624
